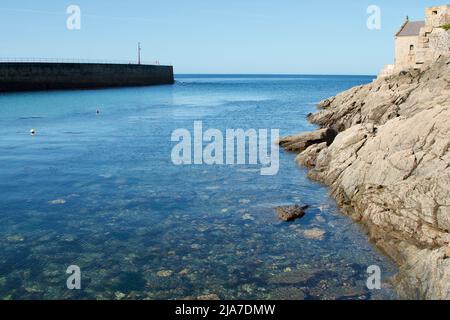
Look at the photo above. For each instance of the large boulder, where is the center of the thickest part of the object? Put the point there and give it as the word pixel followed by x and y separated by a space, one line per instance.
pixel 300 142
pixel 291 213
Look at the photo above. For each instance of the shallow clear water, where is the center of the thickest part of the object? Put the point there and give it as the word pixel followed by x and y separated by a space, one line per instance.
pixel 140 227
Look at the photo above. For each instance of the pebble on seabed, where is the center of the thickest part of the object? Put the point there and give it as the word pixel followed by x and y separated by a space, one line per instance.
pixel 248 217
pixel 57 201
pixel 164 273
pixel 314 233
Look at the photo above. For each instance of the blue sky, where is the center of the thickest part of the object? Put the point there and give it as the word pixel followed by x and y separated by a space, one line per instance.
pixel 212 36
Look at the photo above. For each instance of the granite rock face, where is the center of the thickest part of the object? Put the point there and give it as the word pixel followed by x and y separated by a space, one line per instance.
pixel 389 168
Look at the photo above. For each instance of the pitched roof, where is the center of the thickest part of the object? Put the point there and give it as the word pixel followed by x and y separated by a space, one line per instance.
pixel 411 28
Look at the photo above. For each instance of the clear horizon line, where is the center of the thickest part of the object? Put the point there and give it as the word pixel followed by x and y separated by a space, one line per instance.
pixel 270 74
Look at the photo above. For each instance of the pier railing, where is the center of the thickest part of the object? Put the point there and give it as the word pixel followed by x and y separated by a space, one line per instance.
pixel 86 61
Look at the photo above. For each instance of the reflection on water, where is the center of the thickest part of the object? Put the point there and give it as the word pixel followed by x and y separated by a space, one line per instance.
pixel 100 192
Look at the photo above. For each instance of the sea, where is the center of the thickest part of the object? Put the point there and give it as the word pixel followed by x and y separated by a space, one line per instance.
pixel 92 206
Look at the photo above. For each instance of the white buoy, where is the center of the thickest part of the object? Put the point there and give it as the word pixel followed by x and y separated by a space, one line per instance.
pixel 33 132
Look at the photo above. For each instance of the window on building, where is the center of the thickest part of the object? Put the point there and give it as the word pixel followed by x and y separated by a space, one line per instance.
pixel 411 49
pixel 435 12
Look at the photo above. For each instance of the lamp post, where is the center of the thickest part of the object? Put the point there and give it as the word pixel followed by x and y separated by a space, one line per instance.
pixel 139 53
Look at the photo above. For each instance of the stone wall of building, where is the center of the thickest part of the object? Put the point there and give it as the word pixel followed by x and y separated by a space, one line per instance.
pixel 439 43
pixel 404 56
pixel 425 48
pixel 437 16
pixel 434 41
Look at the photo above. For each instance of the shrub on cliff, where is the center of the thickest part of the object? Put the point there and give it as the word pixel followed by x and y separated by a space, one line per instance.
pixel 446 27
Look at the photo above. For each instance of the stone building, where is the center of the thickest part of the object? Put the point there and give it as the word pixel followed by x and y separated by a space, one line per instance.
pixel 419 43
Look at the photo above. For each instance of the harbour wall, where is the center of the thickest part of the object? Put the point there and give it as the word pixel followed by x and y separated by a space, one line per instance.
pixel 35 76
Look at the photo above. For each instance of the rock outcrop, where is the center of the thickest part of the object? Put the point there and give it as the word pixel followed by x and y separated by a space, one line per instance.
pixel 300 142
pixel 389 168
pixel 291 213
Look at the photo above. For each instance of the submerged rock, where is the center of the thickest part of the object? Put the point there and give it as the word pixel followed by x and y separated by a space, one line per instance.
pixel 326 292
pixel 164 273
pixel 287 293
pixel 293 277
pixel 244 201
pixel 119 295
pixel 208 297
pixel 57 201
pixel 184 272
pixel 320 219
pixel 315 234
pixel 291 213
pixel 15 238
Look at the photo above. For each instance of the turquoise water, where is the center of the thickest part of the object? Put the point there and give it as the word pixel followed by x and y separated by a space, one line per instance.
pixel 101 192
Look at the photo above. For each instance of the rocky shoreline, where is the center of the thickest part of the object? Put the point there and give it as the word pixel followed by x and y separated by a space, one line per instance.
pixel 383 148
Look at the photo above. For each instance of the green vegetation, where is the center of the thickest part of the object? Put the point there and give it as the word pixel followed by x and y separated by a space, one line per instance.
pixel 446 26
